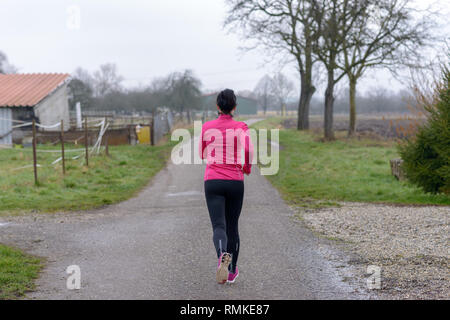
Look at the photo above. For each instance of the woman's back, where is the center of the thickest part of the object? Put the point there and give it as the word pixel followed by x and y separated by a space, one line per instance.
pixel 222 142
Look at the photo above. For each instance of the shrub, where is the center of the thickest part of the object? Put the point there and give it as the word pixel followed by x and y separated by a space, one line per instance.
pixel 427 155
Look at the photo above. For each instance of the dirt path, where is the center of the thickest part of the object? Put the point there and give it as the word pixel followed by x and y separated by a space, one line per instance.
pixel 158 246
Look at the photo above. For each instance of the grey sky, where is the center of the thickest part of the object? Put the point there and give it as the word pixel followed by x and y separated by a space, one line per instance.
pixel 146 39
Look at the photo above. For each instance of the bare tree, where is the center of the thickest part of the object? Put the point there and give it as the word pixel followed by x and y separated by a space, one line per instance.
pixel 3 61
pixel 84 76
pixel 5 66
pixel 386 35
pixel 81 88
pixel 283 25
pixel 282 88
pixel 264 92
pixel 107 80
pixel 183 92
pixel 159 88
pixel 247 94
pixel 335 19
pixel 80 92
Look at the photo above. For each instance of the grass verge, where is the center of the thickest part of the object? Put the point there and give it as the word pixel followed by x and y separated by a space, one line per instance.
pixel 17 273
pixel 107 180
pixel 342 170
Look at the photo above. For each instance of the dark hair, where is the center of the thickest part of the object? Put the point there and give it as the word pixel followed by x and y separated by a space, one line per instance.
pixel 226 100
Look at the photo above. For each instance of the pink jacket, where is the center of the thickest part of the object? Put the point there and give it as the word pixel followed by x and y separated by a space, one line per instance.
pixel 221 144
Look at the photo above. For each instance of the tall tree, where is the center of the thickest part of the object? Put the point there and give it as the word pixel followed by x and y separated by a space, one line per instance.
pixel 81 88
pixel 335 19
pixel 283 25
pixel 264 93
pixel 159 89
pixel 107 80
pixel 183 92
pixel 84 76
pixel 79 92
pixel 282 88
pixel 385 34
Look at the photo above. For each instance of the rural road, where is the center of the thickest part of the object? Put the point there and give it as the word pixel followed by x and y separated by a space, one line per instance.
pixel 158 245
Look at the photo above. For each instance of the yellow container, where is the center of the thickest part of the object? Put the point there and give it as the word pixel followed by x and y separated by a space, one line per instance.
pixel 143 134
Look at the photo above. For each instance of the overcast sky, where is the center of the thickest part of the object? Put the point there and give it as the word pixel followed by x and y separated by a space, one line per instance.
pixel 146 39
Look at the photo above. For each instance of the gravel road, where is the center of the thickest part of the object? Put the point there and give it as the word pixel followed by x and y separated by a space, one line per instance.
pixel 409 244
pixel 158 245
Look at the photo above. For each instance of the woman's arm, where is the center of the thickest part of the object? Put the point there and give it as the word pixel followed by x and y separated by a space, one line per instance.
pixel 246 142
pixel 202 144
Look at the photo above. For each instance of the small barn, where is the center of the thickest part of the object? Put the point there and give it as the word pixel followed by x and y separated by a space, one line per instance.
pixel 245 106
pixel 24 97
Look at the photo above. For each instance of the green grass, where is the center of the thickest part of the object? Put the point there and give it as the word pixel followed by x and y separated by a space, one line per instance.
pixel 269 123
pixel 343 170
pixel 17 272
pixel 107 180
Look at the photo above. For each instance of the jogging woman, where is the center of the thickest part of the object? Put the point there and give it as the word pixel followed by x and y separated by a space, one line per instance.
pixel 221 143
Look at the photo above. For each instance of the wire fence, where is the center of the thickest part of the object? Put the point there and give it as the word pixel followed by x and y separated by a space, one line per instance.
pixel 101 126
pixel 159 124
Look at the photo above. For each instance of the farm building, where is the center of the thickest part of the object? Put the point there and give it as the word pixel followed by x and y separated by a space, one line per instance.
pixel 24 97
pixel 244 105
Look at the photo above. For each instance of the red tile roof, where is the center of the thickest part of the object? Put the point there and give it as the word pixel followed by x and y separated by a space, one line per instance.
pixel 27 90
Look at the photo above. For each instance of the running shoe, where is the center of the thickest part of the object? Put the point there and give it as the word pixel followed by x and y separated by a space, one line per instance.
pixel 222 269
pixel 232 276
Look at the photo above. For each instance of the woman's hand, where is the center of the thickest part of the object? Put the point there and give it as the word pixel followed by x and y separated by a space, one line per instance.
pixel 246 169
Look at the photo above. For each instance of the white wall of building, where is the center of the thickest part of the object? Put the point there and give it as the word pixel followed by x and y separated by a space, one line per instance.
pixel 54 108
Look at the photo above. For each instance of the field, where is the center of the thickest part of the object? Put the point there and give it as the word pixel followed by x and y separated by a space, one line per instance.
pixel 17 273
pixel 107 180
pixel 370 126
pixel 357 170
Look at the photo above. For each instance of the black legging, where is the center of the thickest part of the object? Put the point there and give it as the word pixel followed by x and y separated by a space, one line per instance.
pixel 224 199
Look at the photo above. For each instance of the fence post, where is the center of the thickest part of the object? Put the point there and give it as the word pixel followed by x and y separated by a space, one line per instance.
pixel 62 148
pixel 86 142
pixel 152 129
pixel 34 154
pixel 106 138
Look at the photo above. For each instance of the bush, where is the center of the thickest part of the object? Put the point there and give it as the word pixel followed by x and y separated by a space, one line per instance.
pixel 427 155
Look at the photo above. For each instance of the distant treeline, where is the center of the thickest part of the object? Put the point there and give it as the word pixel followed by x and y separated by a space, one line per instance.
pixel 181 92
pixel 103 91
pixel 377 100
